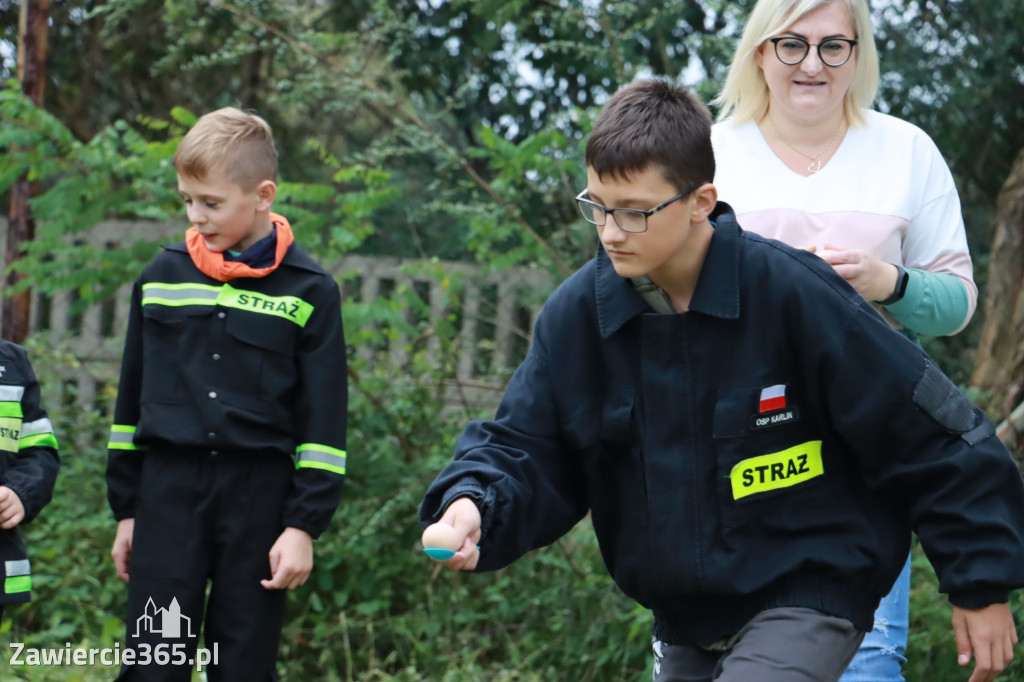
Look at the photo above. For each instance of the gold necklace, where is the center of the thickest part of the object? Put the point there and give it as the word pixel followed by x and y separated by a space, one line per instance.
pixel 815 164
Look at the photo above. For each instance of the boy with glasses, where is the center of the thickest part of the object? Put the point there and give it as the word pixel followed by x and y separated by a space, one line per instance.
pixel 738 438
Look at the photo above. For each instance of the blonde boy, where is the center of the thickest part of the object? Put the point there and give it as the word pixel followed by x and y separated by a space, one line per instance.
pixel 227 453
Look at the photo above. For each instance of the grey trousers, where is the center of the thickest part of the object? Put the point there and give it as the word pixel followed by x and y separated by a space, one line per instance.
pixel 778 645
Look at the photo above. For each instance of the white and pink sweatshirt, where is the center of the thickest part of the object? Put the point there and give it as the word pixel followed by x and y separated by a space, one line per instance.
pixel 887 190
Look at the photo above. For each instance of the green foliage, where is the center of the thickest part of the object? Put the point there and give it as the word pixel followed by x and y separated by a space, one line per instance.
pixel 119 173
pixel 127 171
pixel 336 217
pixel 474 111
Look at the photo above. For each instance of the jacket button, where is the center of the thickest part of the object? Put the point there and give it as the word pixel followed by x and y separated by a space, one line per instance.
pixel 216 357
pixel 222 314
pixel 211 435
pixel 213 394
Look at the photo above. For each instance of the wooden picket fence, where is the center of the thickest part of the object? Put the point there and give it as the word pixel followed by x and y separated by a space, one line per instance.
pixel 496 311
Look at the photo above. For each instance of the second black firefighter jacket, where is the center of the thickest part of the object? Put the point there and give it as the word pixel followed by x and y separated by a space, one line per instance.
pixel 775 445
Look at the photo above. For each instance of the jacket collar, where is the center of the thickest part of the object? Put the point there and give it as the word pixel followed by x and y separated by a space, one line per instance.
pixel 293 257
pixel 717 293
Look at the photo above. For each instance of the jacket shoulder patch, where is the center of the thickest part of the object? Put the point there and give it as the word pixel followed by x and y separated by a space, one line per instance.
pixel 943 401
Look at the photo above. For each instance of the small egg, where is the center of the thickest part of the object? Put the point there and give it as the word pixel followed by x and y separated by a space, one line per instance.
pixel 440 536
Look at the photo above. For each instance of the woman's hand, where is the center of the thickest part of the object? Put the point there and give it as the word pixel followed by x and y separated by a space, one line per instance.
pixel 873 279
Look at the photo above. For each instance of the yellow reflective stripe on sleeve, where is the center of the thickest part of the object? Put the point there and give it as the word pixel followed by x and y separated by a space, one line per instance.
pixel 121 438
pixel 43 439
pixel 18 583
pixel 314 456
pixel 289 308
pixel 777 470
pixel 17 576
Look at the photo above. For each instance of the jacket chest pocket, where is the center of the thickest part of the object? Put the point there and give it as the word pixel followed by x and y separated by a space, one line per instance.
pixel 264 350
pixel 163 326
pixel 770 465
pixel 616 482
pixel 167 351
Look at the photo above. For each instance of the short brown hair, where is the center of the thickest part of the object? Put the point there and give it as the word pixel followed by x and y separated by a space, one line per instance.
pixel 241 143
pixel 653 123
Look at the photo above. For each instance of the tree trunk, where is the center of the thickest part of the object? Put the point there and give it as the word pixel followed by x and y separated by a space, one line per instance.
pixel 35 15
pixel 999 366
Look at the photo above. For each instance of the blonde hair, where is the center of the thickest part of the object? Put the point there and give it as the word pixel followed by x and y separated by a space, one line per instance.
pixel 240 143
pixel 745 93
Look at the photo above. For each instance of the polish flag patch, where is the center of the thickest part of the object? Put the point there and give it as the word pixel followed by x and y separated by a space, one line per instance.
pixel 772 398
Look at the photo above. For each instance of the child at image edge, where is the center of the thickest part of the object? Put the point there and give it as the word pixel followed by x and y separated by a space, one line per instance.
pixel 753 442
pixel 227 452
pixel 28 467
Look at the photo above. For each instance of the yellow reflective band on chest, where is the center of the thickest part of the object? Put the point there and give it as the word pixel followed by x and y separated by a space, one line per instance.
pixel 289 308
pixel 778 470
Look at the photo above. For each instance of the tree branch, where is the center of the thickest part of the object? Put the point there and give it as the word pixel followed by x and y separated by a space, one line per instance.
pixel 411 116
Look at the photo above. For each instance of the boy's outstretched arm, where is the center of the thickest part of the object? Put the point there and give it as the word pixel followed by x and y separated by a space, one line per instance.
pixel 990 634
pixel 519 471
pixel 291 560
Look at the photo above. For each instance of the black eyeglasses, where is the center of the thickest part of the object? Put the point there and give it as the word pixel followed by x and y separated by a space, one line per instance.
pixel 628 219
pixel 832 52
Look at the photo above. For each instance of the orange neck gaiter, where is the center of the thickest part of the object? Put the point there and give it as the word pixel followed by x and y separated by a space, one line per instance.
pixel 212 263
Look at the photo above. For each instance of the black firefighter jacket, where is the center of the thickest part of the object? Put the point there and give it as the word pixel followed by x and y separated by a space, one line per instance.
pixel 254 364
pixel 28 462
pixel 775 445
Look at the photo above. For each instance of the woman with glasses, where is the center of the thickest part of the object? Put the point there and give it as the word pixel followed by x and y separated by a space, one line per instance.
pixel 803 159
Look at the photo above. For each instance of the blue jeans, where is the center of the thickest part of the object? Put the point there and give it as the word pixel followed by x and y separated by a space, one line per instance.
pixel 880 656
